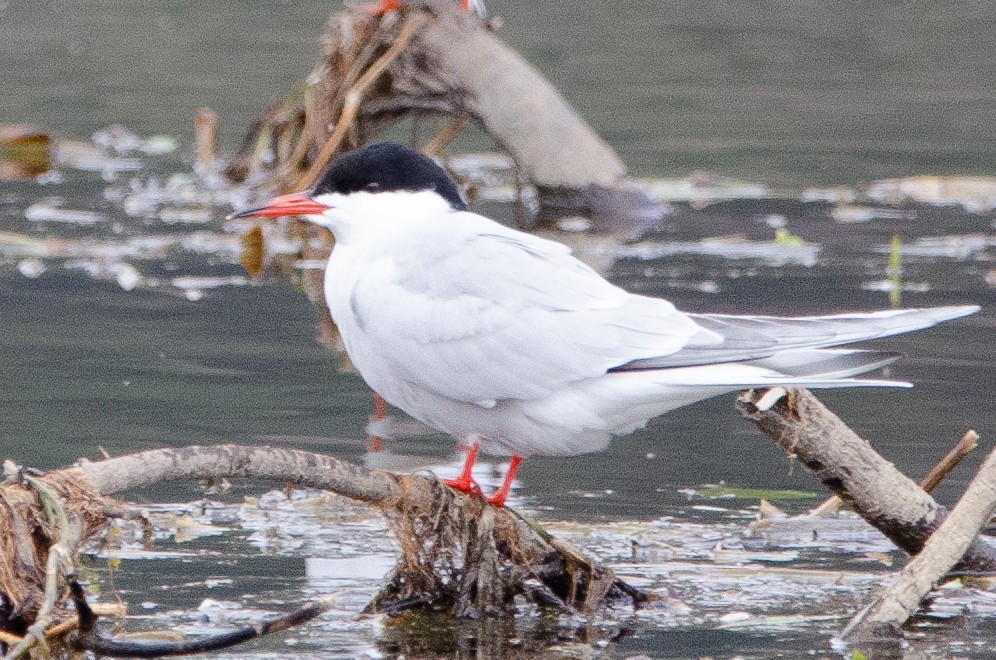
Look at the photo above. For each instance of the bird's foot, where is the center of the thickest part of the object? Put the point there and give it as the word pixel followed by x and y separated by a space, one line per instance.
pixel 463 484
pixel 376 425
pixel 383 7
pixel 498 499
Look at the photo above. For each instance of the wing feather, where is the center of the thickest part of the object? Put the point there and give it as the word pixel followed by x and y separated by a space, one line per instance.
pixel 523 306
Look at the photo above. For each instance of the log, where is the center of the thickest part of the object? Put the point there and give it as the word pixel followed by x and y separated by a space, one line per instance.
pixel 847 465
pixel 930 481
pixel 449 63
pixel 456 62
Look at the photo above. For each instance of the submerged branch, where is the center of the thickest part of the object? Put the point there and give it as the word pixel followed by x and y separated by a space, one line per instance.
pixel 88 639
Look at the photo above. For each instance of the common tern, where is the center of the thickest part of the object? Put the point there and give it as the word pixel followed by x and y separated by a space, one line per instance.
pixel 506 341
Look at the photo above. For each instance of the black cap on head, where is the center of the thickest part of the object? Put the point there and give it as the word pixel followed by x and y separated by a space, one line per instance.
pixel 387 167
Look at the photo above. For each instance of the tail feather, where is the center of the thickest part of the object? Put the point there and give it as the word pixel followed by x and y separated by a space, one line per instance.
pixel 728 338
pixel 827 363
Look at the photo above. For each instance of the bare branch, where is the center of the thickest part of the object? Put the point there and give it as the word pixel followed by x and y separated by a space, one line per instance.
pixel 930 481
pixel 887 613
pixel 88 639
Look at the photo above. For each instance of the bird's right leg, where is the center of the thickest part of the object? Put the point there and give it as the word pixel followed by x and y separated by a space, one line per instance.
pixel 465 482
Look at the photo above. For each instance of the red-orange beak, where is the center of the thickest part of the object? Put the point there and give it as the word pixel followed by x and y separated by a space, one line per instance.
pixel 295 204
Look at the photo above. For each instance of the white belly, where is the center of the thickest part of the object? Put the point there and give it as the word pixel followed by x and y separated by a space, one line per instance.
pixel 579 418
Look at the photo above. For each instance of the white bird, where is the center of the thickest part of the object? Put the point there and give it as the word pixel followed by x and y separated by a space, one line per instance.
pixel 505 340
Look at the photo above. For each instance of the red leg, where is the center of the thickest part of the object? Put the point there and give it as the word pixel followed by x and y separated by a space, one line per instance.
pixel 465 5
pixel 498 499
pixel 383 7
pixel 380 412
pixel 465 482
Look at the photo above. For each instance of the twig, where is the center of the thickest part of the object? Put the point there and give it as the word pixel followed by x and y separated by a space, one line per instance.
pixel 206 138
pixel 444 136
pixel 88 639
pixel 968 442
pixel 931 480
pixel 942 551
pixel 351 104
pixel 63 627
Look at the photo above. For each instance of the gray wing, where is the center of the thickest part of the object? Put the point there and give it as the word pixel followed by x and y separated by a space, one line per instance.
pixel 756 337
pixel 484 313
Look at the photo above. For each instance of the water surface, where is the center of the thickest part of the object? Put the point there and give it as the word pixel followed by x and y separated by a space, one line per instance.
pixel 784 95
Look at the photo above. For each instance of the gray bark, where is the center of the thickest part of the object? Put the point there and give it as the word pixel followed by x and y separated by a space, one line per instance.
pixel 455 65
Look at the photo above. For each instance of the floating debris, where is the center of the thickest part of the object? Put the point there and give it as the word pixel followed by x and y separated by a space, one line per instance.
pixel 25 152
pixel 31 268
pixel 889 286
pixel 730 247
pixel 50 210
pixel 835 195
pixel 849 214
pixel 90 158
pixel 194 286
pixel 964 246
pixel 116 138
pixel 703 188
pixel 188 216
pixel 725 491
pixel 975 194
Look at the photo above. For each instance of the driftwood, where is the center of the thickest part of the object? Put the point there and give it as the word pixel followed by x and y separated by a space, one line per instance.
pixel 930 481
pixel 847 465
pixel 458 553
pixel 898 602
pixel 431 58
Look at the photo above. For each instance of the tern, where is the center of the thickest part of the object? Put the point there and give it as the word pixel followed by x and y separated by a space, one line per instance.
pixel 507 342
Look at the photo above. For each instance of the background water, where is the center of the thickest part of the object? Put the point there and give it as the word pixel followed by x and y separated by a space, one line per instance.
pixel 787 94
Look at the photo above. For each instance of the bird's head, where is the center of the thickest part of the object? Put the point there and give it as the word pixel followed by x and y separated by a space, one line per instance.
pixel 361 177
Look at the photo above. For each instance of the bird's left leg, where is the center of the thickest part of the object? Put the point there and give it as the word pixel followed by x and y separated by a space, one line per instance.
pixel 465 482
pixel 498 499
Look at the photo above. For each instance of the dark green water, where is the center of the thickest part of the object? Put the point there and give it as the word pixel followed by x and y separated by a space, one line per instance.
pixel 785 93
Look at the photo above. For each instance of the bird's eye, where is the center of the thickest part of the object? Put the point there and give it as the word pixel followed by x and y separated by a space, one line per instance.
pixel 372 186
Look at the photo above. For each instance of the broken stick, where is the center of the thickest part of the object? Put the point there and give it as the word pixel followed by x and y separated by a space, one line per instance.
pixel 885 615
pixel 932 480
